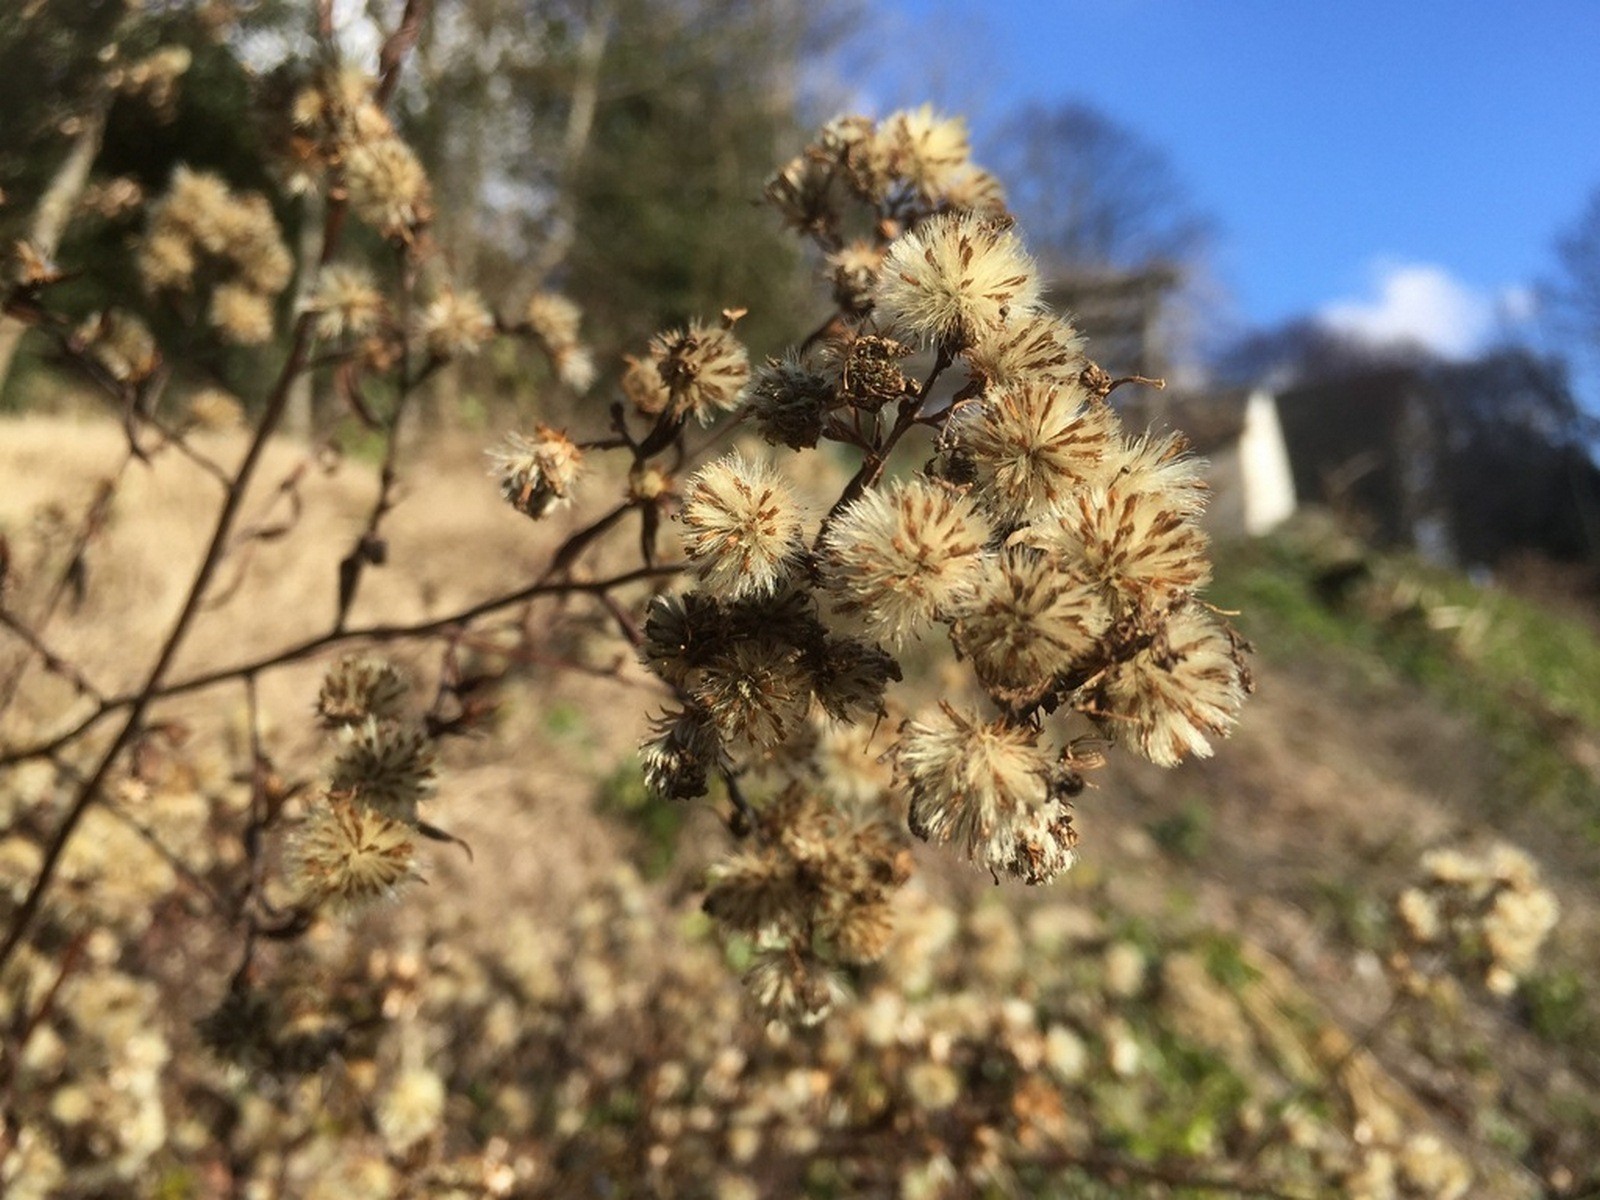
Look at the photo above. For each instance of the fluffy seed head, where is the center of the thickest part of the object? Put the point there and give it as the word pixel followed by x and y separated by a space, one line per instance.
pixel 704 369
pixel 241 315
pixel 955 276
pixel 454 324
pixel 1028 621
pixel 347 303
pixel 348 854
pixel 981 785
pixel 359 687
pixel 1032 444
pixel 900 558
pixel 926 149
pixel 1161 465
pixel 385 766
pixel 387 186
pixel 854 270
pixel 536 474
pixel 1185 687
pixel 1037 348
pixel 1143 547
pixel 742 527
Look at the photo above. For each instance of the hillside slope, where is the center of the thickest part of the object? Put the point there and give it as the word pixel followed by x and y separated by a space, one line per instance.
pixel 1206 1002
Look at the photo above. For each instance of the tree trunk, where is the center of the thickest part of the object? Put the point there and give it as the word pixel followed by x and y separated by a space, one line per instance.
pixel 54 212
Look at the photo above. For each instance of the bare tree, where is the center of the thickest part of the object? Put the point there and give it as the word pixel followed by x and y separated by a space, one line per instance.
pixel 1094 194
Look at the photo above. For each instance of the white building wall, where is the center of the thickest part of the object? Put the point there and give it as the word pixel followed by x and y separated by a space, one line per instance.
pixel 1264 466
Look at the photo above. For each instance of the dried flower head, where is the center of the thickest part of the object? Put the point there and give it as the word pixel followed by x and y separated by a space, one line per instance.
pixel 900 558
pixel 986 787
pixel 1027 621
pixel 385 766
pixel 869 370
pixel 927 149
pixel 954 277
pixel 359 687
pixel 1142 546
pixel 387 186
pixel 756 690
pixel 850 678
pixel 1039 348
pixel 347 854
pixel 536 474
pixel 854 270
pixel 121 343
pixel 790 402
pixel 1032 444
pixel 167 260
pixel 455 324
pixel 794 990
pixel 743 527
pixel 347 303
pixel 555 321
pixel 806 193
pixel 643 386
pixel 1183 688
pixel 679 754
pixel 704 369
pixel 201 222
pixel 241 315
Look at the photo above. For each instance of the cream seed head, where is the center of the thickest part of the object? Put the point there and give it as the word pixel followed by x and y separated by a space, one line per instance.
pixel 977 784
pixel 743 527
pixel 1142 547
pixel 1184 688
pixel 954 277
pixel 927 149
pixel 1032 445
pixel 454 324
pixel 387 186
pixel 537 475
pixel 385 766
pixel 1158 464
pixel 900 558
pixel 1039 348
pixel 348 855
pixel 347 303
pixel 1028 621
pixel 704 369
pixel 241 315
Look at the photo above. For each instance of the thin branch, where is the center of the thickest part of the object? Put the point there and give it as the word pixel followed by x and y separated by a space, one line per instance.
pixel 52 661
pixel 311 646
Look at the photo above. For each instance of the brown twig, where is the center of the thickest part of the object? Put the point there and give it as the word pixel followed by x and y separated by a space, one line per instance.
pixel 311 646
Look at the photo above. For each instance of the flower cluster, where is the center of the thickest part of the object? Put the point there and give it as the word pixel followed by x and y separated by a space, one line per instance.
pixel 1055 553
pixel 337 125
pixel 1487 908
pixel 358 841
pixel 203 236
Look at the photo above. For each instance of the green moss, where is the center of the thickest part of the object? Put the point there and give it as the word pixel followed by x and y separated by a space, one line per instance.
pixel 655 822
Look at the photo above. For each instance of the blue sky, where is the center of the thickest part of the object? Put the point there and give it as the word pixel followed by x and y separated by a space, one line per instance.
pixel 1399 166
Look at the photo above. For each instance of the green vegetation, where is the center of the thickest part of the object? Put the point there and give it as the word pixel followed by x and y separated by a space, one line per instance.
pixel 1528 678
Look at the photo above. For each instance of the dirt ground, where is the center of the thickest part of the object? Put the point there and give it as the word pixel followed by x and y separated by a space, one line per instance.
pixel 1328 792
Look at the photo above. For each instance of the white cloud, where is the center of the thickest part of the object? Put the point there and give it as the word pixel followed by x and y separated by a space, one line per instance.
pixel 1424 303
